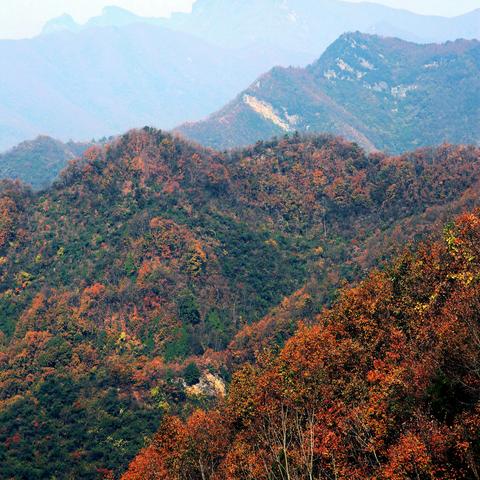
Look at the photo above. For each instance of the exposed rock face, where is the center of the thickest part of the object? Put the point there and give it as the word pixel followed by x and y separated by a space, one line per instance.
pixel 209 386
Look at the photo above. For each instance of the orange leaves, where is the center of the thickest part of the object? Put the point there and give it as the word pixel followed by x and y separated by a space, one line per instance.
pixel 93 153
pixel 423 452
pixel 147 465
pixel 409 458
pixel 183 451
pixel 8 216
pixel 177 245
pixel 90 296
pixel 36 339
pixel 168 236
pixel 95 291
pixel 377 389
pixel 207 435
pixel 242 462
pixel 138 163
pixel 148 268
pixel 217 177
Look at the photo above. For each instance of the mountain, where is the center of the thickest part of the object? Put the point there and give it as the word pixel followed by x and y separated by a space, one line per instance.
pixel 132 287
pixel 104 80
pixel 110 17
pixel 302 27
pixel 38 162
pixel 383 93
pixel 63 23
pixel 383 385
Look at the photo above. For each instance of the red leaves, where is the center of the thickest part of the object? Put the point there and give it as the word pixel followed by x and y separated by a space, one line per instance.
pixel 8 218
pixel 383 387
pixel 94 291
pixel 191 450
pixel 147 465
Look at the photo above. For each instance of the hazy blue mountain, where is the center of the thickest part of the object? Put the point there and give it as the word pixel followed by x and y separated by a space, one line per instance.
pixel 309 26
pixel 110 17
pixel 38 162
pixel 382 93
pixel 60 24
pixel 104 80
pixel 298 26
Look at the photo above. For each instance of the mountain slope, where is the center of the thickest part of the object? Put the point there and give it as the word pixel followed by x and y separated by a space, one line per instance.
pixel 382 93
pixel 122 286
pixel 383 385
pixel 39 162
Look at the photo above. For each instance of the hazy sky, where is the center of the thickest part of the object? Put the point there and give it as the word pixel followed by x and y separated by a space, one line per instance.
pixel 25 18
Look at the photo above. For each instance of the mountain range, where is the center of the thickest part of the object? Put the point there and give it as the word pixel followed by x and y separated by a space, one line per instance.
pixel 288 289
pixel 110 17
pixel 289 25
pixel 309 26
pixel 104 80
pixel 153 269
pixel 383 93
pixel 120 70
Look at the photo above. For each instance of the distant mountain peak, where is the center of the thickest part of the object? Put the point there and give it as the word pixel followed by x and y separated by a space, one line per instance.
pixel 113 13
pixel 111 16
pixel 62 23
pixel 115 10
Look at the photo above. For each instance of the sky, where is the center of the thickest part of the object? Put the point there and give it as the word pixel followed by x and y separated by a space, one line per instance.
pixel 25 18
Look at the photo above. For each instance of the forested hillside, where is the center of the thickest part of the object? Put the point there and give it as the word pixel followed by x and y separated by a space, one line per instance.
pixel 38 162
pixel 385 385
pixel 134 286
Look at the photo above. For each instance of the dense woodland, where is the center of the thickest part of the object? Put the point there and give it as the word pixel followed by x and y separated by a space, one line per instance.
pixel 138 287
pixel 385 385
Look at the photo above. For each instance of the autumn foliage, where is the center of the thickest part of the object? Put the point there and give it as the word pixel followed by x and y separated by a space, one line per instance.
pixel 132 289
pixel 384 385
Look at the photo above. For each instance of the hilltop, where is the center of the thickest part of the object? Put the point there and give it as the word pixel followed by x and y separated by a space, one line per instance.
pixel 38 162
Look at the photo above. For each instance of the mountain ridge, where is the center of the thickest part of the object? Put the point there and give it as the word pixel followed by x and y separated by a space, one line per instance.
pixel 111 16
pixel 366 87
pixel 164 72
pixel 90 81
